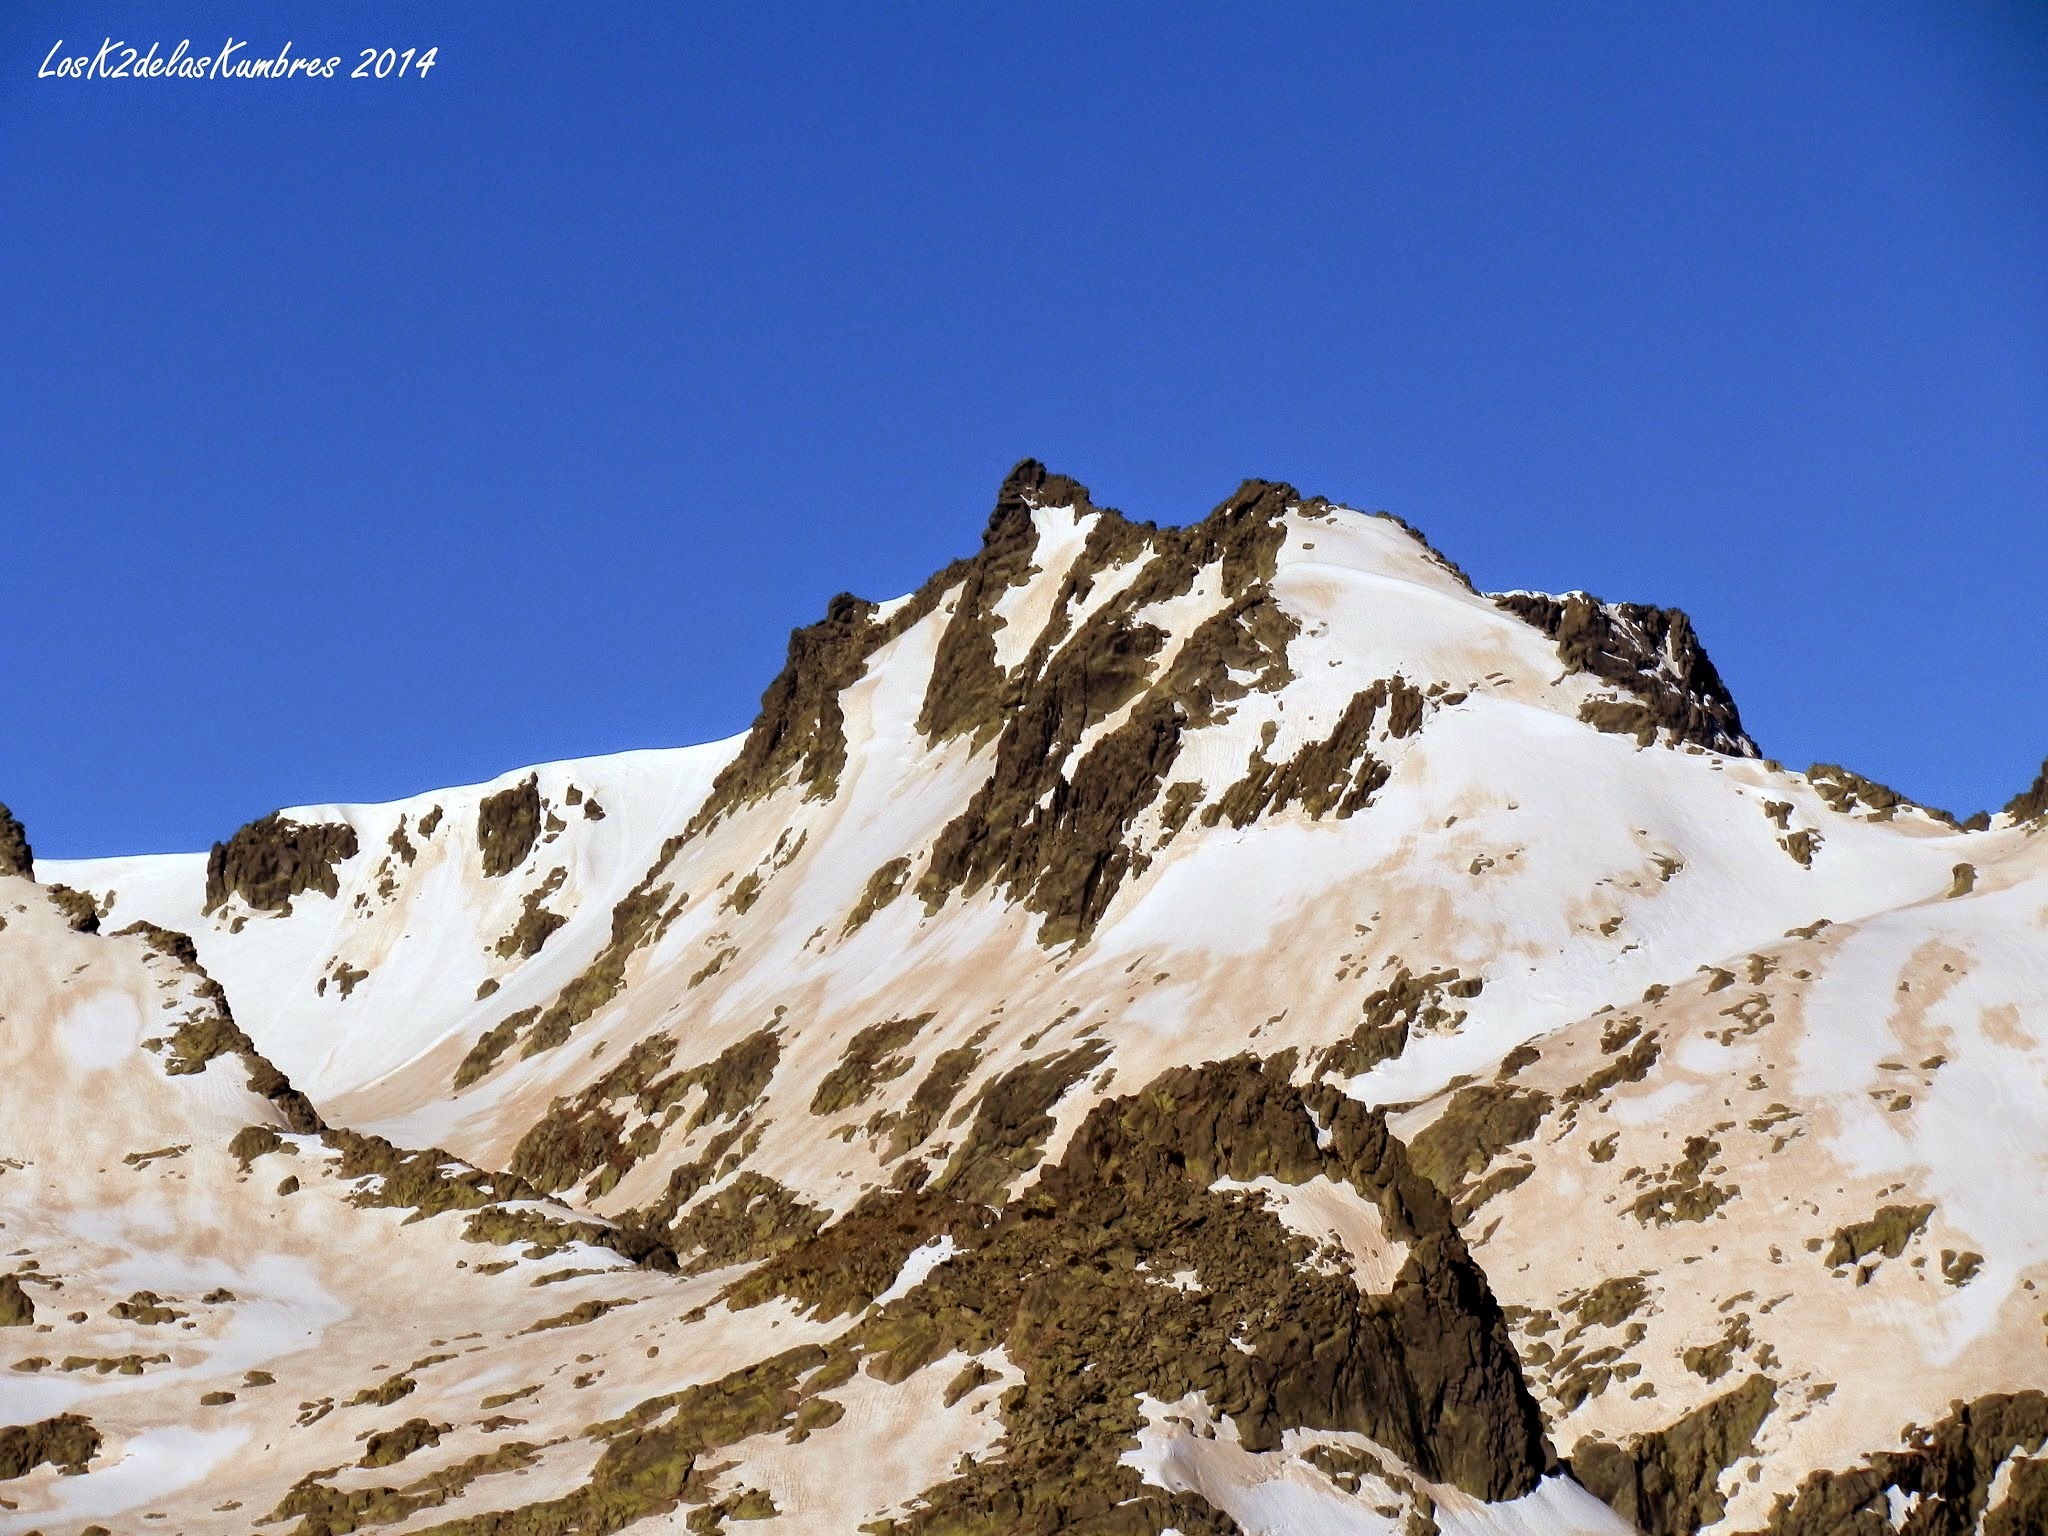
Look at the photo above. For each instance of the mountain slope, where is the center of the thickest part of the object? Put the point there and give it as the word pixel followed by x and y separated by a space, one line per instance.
pixel 1208 1028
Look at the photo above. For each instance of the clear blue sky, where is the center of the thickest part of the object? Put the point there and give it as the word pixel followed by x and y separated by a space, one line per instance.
pixel 360 437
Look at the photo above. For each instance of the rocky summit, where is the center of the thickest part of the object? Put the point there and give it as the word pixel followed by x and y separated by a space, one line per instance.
pixel 1209 1029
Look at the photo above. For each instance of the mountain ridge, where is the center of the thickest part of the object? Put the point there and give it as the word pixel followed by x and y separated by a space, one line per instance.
pixel 1209 1028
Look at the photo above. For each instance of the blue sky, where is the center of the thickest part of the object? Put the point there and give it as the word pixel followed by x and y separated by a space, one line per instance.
pixel 363 437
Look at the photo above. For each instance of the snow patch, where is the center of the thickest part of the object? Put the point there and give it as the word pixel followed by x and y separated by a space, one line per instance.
pixel 919 1263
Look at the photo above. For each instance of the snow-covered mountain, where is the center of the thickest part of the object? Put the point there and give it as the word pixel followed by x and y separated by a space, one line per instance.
pixel 1222 1028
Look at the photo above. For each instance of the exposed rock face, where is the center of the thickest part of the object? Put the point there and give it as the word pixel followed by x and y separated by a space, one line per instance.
pixel 17 1310
pixel 967 687
pixel 1945 1478
pixel 78 907
pixel 1334 777
pixel 1012 1120
pixel 1050 830
pixel 16 857
pixel 2032 801
pixel 871 1059
pixel 507 825
pixel 270 861
pixel 800 732
pixel 1064 1283
pixel 1850 793
pixel 209 1031
pixel 1666 1482
pixel 1650 653
pixel 68 1442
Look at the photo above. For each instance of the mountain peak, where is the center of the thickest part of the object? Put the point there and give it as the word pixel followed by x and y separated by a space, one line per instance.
pixel 1030 484
pixel 1093 653
pixel 1221 1027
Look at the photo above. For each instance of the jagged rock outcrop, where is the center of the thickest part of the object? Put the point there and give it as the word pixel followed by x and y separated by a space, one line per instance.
pixel 1048 828
pixel 508 825
pixel 210 1031
pixel 17 1308
pixel 2031 802
pixel 1944 1480
pixel 16 857
pixel 67 1442
pixel 1667 1482
pixel 1650 653
pixel 273 859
